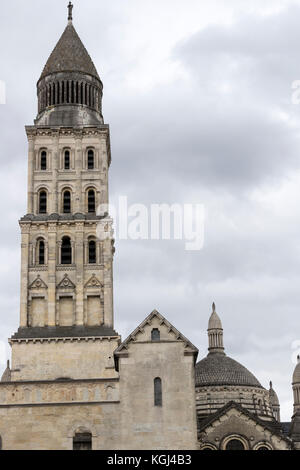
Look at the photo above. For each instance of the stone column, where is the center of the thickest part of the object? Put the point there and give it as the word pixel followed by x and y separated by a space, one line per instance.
pixel 25 230
pixel 78 205
pixel 108 253
pixel 30 174
pixel 52 230
pixel 79 253
pixel 55 166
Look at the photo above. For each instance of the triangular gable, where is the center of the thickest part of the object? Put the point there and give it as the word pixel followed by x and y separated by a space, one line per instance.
pixel 93 282
pixel 190 348
pixel 266 425
pixel 66 283
pixel 38 283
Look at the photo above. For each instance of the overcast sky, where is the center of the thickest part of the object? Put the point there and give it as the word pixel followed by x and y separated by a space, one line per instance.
pixel 198 95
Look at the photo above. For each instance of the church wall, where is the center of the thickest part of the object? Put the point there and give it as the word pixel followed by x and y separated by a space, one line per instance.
pixel 145 426
pixel 43 360
pixel 53 427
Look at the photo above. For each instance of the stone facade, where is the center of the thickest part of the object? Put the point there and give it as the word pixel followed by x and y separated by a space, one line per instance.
pixel 72 383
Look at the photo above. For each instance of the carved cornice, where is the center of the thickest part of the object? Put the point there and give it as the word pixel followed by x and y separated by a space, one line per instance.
pixel 36 131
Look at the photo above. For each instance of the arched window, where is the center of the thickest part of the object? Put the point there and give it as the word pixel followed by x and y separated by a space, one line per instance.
pixel 42 202
pixel 66 202
pixel 82 441
pixel 67 160
pixel 91 160
pixel 235 444
pixel 157 392
pixel 41 252
pixel 263 448
pixel 92 252
pixel 66 251
pixel 155 334
pixel 44 160
pixel 91 201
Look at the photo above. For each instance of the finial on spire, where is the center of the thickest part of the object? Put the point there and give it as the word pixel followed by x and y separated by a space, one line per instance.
pixel 214 307
pixel 271 385
pixel 70 8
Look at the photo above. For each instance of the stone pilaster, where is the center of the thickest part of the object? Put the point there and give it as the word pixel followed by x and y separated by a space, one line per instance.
pixel 24 274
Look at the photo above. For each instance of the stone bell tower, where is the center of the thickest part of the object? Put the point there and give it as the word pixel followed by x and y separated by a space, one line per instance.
pixel 66 321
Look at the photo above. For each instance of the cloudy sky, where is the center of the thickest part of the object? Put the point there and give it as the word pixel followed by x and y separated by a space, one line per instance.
pixel 198 95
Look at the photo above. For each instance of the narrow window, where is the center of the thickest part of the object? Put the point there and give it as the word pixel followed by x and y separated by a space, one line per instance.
pixel 91 201
pixel 82 441
pixel 155 334
pixel 43 202
pixel 92 252
pixel 44 161
pixel 157 392
pixel 91 160
pixel 41 254
pixel 67 202
pixel 66 251
pixel 67 161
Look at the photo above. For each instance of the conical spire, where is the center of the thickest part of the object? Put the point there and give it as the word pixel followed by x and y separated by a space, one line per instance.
pixel 69 89
pixel 215 333
pixel 70 55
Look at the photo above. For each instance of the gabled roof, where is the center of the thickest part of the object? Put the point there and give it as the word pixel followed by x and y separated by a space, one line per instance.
pixel 122 349
pixel 273 426
pixel 70 55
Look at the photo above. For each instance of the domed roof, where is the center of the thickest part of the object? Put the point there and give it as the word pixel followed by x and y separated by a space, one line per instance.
pixel 219 369
pixel 296 375
pixel 70 55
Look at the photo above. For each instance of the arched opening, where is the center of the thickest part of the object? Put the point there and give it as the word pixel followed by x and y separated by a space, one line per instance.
pixel 43 202
pixel 67 202
pixel 41 252
pixel 82 441
pixel 91 160
pixel 157 392
pixel 67 160
pixel 91 201
pixel 92 252
pixel 155 334
pixel 66 251
pixel 235 444
pixel 43 160
pixel 263 448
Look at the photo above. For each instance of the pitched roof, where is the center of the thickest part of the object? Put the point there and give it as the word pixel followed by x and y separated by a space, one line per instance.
pixel 131 338
pixel 70 55
pixel 273 426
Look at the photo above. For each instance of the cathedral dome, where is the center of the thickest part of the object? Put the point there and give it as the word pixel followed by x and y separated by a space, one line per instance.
pixel 296 375
pixel 219 369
